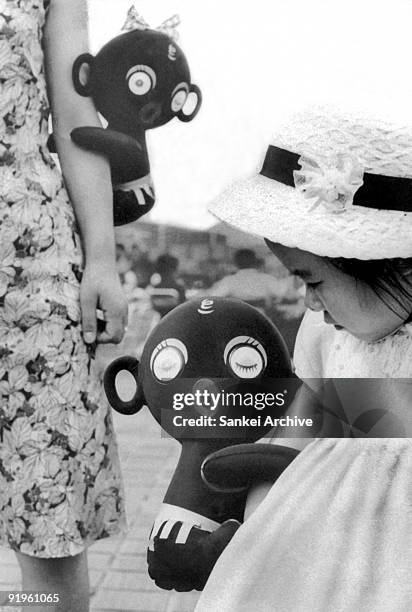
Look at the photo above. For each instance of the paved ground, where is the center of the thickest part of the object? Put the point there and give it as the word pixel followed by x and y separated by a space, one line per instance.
pixel 119 579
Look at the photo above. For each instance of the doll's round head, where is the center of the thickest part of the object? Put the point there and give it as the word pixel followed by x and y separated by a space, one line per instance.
pixel 205 349
pixel 141 77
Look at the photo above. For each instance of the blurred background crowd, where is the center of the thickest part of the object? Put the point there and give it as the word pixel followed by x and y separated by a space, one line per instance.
pixel 162 265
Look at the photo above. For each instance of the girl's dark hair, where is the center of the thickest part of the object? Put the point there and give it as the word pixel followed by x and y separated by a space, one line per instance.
pixel 390 279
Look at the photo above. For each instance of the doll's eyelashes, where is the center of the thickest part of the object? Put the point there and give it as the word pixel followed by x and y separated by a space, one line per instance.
pixel 141 79
pixel 179 96
pixel 168 359
pixel 245 357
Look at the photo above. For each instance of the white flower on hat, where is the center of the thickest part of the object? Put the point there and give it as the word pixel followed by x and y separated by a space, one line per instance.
pixel 332 181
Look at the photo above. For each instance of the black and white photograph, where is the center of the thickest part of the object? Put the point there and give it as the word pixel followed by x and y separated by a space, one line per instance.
pixel 205 306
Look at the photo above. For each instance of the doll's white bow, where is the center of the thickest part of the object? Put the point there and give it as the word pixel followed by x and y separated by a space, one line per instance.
pixel 135 21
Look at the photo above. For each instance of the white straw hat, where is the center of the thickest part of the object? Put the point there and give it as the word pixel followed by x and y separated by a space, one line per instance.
pixel 334 185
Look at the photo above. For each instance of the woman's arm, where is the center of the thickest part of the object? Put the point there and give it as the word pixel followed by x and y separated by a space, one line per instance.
pixel 86 174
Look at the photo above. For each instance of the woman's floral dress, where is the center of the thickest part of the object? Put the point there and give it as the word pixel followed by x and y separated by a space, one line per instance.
pixel 60 485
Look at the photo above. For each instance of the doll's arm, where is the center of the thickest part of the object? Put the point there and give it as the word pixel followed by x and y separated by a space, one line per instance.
pixel 252 467
pixel 124 152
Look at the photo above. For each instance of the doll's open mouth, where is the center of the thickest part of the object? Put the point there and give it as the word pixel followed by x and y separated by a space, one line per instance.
pixel 150 112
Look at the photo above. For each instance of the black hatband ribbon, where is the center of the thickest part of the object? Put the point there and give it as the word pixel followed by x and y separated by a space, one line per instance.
pixel 378 191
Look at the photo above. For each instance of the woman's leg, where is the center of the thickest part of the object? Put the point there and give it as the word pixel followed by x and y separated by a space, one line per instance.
pixel 67 576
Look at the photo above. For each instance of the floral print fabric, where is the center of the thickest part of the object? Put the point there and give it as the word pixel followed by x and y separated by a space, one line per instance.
pixel 60 485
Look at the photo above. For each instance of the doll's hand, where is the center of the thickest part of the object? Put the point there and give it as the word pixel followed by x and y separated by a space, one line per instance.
pixel 240 467
pixel 100 289
pixel 187 566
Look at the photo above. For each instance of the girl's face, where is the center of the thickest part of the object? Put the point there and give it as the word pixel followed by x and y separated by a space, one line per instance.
pixel 346 303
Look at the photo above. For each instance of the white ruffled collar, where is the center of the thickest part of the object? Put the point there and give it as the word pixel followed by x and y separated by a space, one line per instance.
pixel 405 328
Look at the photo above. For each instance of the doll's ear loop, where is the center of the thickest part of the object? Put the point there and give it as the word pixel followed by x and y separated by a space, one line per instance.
pixel 83 89
pixel 194 89
pixel 130 364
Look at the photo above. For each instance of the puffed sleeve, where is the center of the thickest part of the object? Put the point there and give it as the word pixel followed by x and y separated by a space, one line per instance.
pixel 311 347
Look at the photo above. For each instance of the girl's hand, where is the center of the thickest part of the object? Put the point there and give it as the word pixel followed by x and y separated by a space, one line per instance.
pixel 100 288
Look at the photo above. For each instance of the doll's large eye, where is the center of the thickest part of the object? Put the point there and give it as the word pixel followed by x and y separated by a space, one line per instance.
pixel 168 359
pixel 141 79
pixel 245 356
pixel 179 97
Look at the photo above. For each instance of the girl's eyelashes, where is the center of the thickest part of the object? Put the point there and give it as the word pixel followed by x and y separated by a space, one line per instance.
pixel 313 285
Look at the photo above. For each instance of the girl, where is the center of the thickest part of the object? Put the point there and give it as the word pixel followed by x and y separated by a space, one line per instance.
pixel 60 486
pixel 334 200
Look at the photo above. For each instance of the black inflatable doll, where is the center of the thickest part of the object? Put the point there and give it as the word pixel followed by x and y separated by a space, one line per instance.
pixel 201 352
pixel 138 81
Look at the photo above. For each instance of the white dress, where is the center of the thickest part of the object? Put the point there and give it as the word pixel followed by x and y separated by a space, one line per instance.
pixel 334 533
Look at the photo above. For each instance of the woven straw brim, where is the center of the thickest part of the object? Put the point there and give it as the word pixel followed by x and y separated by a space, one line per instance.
pixel 269 209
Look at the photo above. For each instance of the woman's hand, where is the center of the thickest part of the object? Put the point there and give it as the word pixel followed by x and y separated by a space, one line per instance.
pixel 100 289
